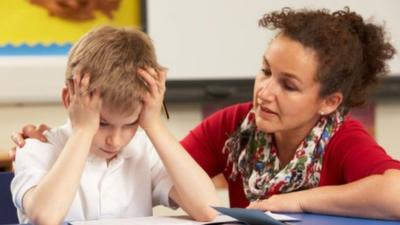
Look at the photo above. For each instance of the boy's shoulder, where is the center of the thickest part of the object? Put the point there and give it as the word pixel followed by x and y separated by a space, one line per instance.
pixel 36 154
pixel 35 150
pixel 58 136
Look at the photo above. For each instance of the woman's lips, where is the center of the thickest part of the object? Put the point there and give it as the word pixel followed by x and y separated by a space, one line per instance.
pixel 265 112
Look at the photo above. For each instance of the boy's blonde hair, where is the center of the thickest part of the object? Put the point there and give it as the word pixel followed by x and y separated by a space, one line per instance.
pixel 112 56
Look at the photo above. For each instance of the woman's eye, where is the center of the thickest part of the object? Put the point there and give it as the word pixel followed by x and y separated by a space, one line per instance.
pixel 289 87
pixel 266 72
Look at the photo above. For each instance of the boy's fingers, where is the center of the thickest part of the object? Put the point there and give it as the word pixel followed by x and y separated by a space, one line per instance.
pixel 96 98
pixel 152 72
pixel 163 77
pixel 160 77
pixel 148 79
pixel 84 85
pixel 70 86
pixel 77 81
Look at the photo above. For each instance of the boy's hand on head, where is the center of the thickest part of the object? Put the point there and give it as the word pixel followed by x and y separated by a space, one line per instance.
pixel 84 107
pixel 153 100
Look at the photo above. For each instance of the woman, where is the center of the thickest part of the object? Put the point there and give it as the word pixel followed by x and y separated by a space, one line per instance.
pixel 293 149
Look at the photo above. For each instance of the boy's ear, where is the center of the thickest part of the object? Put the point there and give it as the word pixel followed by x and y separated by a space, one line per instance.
pixel 65 97
pixel 331 103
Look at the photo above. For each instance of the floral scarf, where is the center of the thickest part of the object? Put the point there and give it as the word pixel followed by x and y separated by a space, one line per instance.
pixel 254 154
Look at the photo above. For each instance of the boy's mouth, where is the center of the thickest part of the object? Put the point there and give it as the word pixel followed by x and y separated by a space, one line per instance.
pixel 108 151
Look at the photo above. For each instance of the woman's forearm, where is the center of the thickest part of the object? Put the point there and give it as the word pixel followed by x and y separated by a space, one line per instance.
pixel 50 200
pixel 376 196
pixel 193 186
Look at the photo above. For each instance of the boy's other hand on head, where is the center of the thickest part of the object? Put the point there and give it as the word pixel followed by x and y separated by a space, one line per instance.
pixel 28 131
pixel 83 106
pixel 153 100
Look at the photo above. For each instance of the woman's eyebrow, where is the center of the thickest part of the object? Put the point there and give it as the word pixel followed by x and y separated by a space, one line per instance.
pixel 289 75
pixel 292 76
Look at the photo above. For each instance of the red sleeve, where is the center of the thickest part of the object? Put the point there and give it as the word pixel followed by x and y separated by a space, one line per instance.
pixel 353 154
pixel 205 142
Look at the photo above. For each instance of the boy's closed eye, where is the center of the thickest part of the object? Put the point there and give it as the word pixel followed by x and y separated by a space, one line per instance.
pixel 132 124
pixel 105 124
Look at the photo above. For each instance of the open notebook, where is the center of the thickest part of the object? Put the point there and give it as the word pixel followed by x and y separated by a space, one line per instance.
pixel 255 217
pixel 228 216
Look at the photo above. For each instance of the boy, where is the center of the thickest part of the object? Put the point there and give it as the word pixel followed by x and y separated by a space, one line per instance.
pixel 98 165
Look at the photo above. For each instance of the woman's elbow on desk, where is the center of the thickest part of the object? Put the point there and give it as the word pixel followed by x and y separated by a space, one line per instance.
pixel 390 193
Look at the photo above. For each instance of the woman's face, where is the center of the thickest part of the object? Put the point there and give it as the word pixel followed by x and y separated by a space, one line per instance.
pixel 286 95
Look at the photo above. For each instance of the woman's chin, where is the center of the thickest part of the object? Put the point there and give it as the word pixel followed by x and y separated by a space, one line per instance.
pixel 265 126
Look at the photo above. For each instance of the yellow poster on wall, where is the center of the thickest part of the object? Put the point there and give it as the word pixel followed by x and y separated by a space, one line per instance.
pixel 29 24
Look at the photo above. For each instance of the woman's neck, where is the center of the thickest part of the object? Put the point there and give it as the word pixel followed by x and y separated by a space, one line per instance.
pixel 287 142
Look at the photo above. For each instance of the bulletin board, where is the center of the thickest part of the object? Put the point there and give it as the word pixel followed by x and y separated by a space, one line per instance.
pixel 26 26
pixel 36 37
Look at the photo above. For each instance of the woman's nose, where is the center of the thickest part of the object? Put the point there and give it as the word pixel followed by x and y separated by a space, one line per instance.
pixel 267 90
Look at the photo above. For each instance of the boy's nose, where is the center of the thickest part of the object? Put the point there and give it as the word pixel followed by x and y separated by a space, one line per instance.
pixel 114 140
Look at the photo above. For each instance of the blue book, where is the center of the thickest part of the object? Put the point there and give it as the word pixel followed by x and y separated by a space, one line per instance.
pixel 247 216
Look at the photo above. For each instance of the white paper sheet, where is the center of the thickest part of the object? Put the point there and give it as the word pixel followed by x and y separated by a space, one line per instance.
pixel 281 217
pixel 172 220
pixel 154 220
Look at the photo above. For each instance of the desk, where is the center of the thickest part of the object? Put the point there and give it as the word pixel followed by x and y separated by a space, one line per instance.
pixel 316 219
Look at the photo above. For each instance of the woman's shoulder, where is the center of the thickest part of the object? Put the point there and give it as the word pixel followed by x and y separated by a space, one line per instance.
pixel 353 135
pixel 352 127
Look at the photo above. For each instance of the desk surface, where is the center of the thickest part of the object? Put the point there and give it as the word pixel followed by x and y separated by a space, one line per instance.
pixel 316 219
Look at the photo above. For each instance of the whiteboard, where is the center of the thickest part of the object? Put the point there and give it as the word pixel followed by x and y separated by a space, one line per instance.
pixel 195 39
pixel 220 39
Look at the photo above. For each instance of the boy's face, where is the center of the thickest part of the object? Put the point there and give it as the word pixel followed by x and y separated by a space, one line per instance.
pixel 115 132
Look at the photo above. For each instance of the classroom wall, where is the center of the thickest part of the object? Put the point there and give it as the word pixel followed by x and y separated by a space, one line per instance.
pixel 183 118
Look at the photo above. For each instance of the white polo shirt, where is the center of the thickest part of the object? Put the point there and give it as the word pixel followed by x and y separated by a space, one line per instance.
pixel 129 186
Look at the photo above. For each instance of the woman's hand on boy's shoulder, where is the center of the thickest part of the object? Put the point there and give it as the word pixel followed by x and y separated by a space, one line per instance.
pixel 28 131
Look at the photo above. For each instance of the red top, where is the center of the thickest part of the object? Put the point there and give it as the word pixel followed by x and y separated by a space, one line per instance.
pixel 350 155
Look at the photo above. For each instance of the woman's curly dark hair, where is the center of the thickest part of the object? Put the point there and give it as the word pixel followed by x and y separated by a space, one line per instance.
pixel 352 53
